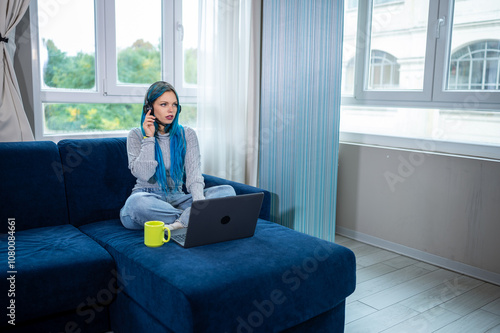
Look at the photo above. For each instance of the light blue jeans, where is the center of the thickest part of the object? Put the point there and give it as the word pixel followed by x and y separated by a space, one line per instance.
pixel 154 205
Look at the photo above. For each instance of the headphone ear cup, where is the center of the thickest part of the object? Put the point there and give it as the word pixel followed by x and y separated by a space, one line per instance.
pixel 179 109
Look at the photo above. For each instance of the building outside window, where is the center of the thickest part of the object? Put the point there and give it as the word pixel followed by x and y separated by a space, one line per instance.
pixel 476 67
pixel 447 92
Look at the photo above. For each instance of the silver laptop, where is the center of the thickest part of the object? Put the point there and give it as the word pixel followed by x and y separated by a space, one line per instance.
pixel 220 219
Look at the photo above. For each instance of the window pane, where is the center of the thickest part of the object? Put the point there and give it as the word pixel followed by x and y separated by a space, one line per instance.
pixel 398 45
pixel 67 44
pixel 190 41
pixel 78 118
pixel 384 70
pixel 477 72
pixel 491 75
pixel 188 116
pixel 349 46
pixel 463 74
pixel 138 41
pixel 475 46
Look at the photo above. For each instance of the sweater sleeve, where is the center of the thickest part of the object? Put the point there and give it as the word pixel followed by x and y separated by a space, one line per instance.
pixel 192 164
pixel 141 159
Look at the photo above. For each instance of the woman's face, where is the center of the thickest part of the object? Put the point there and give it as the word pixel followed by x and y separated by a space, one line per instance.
pixel 165 107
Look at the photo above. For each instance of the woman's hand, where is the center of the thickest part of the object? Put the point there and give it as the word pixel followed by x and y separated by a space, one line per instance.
pixel 149 124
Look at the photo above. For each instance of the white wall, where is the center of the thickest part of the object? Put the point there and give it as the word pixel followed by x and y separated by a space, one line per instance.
pixel 437 207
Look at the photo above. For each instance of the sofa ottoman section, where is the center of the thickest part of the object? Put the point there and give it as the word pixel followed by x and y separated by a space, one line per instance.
pixel 275 280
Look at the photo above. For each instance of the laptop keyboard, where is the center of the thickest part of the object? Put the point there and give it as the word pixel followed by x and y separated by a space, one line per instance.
pixel 181 238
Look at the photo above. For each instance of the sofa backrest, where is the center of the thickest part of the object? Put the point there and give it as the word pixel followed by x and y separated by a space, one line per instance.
pixel 97 178
pixel 32 190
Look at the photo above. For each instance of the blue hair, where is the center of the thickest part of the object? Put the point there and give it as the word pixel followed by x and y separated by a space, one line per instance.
pixel 177 139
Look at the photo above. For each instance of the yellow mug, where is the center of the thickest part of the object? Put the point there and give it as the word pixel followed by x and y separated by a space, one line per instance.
pixel 154 233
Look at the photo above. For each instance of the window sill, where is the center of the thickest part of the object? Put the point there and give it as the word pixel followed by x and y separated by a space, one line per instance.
pixel 458 149
pixel 93 135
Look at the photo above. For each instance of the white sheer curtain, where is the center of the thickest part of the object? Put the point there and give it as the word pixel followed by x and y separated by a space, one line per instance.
pixel 14 125
pixel 228 88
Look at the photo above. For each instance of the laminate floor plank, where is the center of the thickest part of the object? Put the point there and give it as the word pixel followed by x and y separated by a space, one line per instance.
pixel 398 294
pixel 477 321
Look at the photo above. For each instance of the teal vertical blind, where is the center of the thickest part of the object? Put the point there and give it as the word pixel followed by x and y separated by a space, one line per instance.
pixel 300 103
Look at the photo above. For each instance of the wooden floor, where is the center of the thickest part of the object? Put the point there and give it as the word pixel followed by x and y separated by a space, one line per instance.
pixel 398 294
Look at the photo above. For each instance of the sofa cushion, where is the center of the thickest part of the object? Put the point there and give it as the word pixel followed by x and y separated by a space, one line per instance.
pixel 57 269
pixel 97 178
pixel 32 192
pixel 272 281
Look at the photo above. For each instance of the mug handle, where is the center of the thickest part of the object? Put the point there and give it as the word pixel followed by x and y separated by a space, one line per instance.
pixel 168 239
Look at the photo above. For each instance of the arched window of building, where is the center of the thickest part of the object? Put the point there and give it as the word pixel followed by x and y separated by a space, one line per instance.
pixel 476 67
pixel 384 70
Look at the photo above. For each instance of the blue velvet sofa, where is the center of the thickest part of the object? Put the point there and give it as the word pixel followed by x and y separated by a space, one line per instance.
pixel 70 266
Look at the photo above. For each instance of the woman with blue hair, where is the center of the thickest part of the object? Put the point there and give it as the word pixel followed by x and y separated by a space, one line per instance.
pixel 161 154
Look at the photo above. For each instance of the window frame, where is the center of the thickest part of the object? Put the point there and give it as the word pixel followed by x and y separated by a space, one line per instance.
pixel 178 81
pixel 110 82
pixel 437 57
pixel 107 90
pixel 473 99
pixel 468 102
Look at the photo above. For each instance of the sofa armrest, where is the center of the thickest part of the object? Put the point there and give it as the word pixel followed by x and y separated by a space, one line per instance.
pixel 240 188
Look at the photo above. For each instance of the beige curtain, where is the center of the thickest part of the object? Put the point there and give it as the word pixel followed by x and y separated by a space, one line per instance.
pixel 228 88
pixel 14 125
